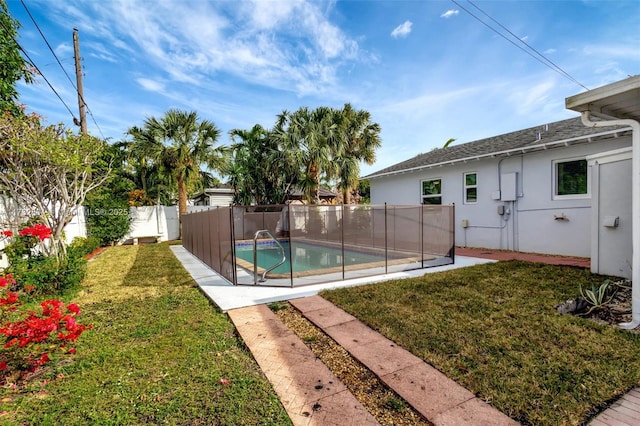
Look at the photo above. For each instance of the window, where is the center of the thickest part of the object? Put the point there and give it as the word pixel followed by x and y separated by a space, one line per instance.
pixel 470 188
pixel 432 191
pixel 571 179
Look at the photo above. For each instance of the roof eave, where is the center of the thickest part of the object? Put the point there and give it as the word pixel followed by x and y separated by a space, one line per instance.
pixel 619 100
pixel 505 153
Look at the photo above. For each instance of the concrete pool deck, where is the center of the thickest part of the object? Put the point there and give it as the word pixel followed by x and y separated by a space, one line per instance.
pixel 228 296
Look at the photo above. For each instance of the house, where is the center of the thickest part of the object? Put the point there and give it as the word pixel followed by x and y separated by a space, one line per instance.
pixel 530 190
pixel 220 196
pixel 616 104
pixel 326 196
pixel 571 187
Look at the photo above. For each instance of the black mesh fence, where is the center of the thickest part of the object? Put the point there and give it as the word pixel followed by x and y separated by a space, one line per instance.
pixel 297 245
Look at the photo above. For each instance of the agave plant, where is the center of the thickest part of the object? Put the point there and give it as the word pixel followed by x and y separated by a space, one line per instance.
pixel 597 296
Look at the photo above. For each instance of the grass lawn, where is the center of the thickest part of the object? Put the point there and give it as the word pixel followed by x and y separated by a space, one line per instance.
pixel 493 328
pixel 155 356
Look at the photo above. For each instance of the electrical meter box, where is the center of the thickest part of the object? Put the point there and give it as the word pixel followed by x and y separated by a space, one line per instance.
pixel 508 186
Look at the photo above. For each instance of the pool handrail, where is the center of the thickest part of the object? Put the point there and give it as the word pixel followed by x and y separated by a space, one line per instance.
pixel 255 256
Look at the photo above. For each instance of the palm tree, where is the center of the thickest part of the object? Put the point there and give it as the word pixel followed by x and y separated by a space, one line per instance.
pixel 187 145
pixel 259 171
pixel 310 138
pixel 359 140
pixel 143 153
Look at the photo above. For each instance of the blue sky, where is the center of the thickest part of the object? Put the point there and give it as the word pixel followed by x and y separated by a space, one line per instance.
pixel 427 71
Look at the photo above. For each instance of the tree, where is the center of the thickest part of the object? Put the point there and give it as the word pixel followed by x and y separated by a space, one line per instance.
pixel 107 206
pixel 359 139
pixel 48 171
pixel 311 138
pixel 364 192
pixel 182 144
pixel 327 143
pixel 142 162
pixel 14 67
pixel 258 171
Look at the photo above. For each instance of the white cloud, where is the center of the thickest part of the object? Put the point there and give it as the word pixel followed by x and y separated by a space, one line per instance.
pixel 530 97
pixel 549 51
pixel 288 45
pixel 449 13
pixel 402 30
pixel 612 50
pixel 151 85
pixel 64 49
pixel 266 15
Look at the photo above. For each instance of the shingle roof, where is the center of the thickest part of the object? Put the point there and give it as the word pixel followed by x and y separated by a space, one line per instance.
pixel 322 192
pixel 531 139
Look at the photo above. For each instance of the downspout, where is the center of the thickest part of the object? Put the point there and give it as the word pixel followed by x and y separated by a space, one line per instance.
pixel 635 210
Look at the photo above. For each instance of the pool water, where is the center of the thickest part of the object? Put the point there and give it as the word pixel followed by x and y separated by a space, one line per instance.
pixel 306 257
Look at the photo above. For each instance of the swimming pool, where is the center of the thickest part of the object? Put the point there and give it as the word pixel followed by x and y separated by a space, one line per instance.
pixel 307 258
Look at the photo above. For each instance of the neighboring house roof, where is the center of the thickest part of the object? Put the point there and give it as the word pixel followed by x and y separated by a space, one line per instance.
pixel 222 189
pixel 296 193
pixel 557 134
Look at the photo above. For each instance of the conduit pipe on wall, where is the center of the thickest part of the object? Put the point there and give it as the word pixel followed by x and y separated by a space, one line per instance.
pixel 635 210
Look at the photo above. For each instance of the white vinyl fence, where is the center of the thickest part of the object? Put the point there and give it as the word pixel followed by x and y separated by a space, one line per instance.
pixel 149 223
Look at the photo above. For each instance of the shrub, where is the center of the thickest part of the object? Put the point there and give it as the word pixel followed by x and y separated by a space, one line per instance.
pixel 32 338
pixel 598 296
pixel 36 273
pixel 83 246
pixel 108 219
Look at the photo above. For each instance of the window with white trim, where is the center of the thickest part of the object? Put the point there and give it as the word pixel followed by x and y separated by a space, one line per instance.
pixel 570 179
pixel 470 188
pixel 431 191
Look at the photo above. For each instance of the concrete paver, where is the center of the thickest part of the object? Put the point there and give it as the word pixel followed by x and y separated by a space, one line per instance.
pixel 430 392
pixel 583 262
pixel 309 392
pixel 441 400
pixel 624 412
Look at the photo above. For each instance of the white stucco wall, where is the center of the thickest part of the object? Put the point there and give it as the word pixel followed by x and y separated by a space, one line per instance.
pixel 221 200
pixel 531 224
pixel 611 242
pixel 160 221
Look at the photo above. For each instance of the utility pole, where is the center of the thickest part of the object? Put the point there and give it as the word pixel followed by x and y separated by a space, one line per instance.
pixel 81 105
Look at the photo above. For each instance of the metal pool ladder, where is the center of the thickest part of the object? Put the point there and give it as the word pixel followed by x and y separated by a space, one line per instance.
pixel 255 256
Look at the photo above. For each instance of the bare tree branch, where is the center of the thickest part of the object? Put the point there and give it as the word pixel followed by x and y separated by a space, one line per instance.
pixel 47 172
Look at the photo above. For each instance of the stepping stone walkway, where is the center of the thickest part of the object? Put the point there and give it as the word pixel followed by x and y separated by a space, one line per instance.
pixel 624 412
pixel 439 399
pixel 309 392
pixel 312 395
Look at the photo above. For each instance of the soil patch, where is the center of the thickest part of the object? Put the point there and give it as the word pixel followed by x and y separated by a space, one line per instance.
pixel 385 405
pixel 616 310
pixel 95 253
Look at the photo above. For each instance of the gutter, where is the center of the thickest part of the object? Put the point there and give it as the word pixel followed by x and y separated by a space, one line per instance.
pixel 506 153
pixel 635 210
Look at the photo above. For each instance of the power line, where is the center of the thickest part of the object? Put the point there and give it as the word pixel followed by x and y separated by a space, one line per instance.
pixel 549 61
pixel 62 67
pixel 45 79
pixel 47 42
pixel 30 62
pixel 540 58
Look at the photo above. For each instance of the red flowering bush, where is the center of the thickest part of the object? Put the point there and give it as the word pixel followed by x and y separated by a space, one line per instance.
pixel 33 337
pixel 37 273
pixel 29 339
pixel 38 230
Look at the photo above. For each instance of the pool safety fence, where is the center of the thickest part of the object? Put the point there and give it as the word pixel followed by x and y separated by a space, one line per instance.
pixel 321 243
